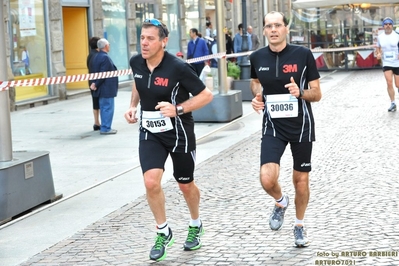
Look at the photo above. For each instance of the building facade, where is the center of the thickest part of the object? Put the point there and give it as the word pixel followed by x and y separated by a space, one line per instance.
pixel 342 27
pixel 50 38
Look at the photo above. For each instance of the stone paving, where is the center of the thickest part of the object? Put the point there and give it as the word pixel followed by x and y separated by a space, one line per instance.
pixel 351 218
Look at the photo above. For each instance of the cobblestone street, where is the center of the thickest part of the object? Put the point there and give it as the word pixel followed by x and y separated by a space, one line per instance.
pixel 352 213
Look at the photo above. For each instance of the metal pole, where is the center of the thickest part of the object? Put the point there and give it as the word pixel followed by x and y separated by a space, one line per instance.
pixel 245 65
pixel 221 44
pixel 5 119
pixel 244 46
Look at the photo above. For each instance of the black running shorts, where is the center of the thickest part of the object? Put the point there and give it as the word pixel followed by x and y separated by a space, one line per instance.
pixel 153 154
pixel 273 148
pixel 395 70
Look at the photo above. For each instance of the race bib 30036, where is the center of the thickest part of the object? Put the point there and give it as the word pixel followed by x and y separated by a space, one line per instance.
pixel 282 105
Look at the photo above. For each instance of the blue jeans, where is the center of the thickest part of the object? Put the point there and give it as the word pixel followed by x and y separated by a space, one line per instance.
pixel 107 106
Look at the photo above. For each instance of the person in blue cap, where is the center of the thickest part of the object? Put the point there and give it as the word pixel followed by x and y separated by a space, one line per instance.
pixel 387 51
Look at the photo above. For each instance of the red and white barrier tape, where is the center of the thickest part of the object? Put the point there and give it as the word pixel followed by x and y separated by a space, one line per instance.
pixel 218 55
pixel 341 49
pixel 4 85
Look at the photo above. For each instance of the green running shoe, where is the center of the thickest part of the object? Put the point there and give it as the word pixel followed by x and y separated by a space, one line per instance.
pixel 158 251
pixel 193 240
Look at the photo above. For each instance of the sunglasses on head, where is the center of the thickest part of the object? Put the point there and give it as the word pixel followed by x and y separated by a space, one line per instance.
pixel 155 22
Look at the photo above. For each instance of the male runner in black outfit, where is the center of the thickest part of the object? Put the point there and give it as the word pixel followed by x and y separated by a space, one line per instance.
pixel 162 83
pixel 290 81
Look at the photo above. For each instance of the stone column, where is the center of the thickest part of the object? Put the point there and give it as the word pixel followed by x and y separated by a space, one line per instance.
pixel 57 46
pixel 10 76
pixel 131 26
pixel 98 19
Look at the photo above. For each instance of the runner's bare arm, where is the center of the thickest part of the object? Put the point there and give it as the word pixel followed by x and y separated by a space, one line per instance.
pixel 130 114
pixel 255 86
pixel 378 53
pixel 257 102
pixel 169 110
pixel 198 101
pixel 313 94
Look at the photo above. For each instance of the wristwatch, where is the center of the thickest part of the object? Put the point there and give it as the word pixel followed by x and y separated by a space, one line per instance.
pixel 300 94
pixel 179 110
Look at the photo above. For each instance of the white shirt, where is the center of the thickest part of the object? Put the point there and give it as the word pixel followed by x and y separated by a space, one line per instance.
pixel 389 46
pixel 208 32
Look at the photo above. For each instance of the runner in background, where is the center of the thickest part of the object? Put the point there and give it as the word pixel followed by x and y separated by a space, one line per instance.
pixel 387 51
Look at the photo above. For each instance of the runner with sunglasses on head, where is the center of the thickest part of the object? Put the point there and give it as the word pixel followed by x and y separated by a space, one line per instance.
pixel 387 51
pixel 162 85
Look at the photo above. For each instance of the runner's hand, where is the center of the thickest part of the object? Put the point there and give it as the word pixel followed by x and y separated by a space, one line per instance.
pixel 257 103
pixel 167 109
pixel 293 88
pixel 130 115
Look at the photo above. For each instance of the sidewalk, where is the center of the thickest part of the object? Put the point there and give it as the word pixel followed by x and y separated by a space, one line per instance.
pixel 356 147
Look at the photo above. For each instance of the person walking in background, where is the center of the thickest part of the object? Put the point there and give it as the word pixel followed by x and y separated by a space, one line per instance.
pixel 26 60
pixel 237 42
pixel 387 51
pixel 209 30
pixel 96 104
pixel 163 84
pixel 285 101
pixel 197 47
pixel 213 63
pixel 359 39
pixel 106 89
pixel 229 41
pixel 254 38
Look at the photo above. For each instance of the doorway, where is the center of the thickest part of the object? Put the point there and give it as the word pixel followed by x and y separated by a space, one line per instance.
pixel 76 46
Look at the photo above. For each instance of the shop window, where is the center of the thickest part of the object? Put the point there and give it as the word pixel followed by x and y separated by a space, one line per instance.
pixel 143 11
pixel 28 46
pixel 115 32
pixel 339 26
pixel 170 17
pixel 192 15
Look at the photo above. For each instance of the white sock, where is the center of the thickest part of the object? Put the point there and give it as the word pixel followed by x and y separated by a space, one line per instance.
pixel 196 222
pixel 299 222
pixel 163 228
pixel 282 201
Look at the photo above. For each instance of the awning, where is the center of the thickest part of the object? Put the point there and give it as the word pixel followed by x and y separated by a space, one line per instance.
pixel 296 4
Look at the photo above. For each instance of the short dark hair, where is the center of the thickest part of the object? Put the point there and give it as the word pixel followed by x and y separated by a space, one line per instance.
pixel 194 30
pixel 208 24
pixel 240 26
pixel 285 20
pixel 93 42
